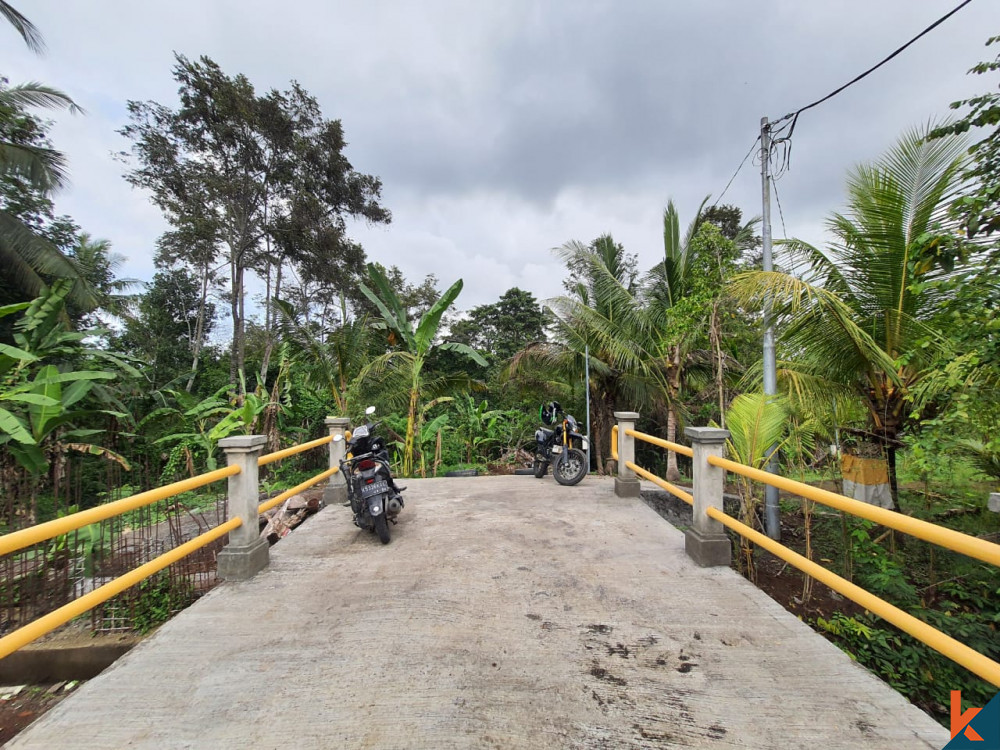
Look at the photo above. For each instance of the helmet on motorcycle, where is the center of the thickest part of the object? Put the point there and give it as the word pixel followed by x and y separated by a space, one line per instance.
pixel 549 412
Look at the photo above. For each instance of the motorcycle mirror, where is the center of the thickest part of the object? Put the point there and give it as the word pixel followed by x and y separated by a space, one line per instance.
pixel 369 411
pixel 337 438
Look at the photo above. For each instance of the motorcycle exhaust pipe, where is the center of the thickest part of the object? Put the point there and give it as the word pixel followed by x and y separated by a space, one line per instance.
pixel 394 506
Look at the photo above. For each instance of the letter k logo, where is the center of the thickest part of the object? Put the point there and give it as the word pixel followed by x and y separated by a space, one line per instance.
pixel 960 721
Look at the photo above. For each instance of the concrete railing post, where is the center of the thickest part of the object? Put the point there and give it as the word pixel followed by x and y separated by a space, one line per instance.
pixel 706 542
pixel 247 551
pixel 626 483
pixel 336 487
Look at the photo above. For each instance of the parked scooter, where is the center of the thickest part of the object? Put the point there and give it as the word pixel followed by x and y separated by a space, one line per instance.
pixel 375 498
pixel 563 446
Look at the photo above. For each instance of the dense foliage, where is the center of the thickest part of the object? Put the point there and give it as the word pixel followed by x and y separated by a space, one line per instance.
pixel 888 337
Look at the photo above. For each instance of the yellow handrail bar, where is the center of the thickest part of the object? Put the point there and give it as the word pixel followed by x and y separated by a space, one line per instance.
pixel 675 491
pixel 33 535
pixel 285 453
pixel 929 532
pixel 268 504
pixel 614 442
pixel 958 652
pixel 675 447
pixel 33 630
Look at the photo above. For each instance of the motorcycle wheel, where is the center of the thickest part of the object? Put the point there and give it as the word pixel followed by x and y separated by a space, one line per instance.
pixel 540 468
pixel 571 467
pixel 382 528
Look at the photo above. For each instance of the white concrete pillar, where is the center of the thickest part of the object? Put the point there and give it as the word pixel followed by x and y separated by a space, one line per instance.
pixel 626 483
pixel 247 552
pixel 706 541
pixel 336 486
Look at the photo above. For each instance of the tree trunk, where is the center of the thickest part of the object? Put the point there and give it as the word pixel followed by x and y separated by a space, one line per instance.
pixel 411 419
pixel 199 329
pixel 716 336
pixel 673 473
pixel 269 321
pixel 890 454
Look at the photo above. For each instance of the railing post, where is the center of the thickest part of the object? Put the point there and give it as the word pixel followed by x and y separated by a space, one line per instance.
pixel 336 487
pixel 706 542
pixel 626 483
pixel 247 551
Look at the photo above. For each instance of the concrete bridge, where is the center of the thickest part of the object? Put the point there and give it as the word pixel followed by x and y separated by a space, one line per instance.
pixel 507 612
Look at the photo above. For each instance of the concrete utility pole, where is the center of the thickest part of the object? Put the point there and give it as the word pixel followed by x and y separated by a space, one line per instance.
pixel 772 517
pixel 586 385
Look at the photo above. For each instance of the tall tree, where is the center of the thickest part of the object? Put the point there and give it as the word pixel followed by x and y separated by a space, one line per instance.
pixel 979 208
pixel 856 316
pixel 167 327
pixel 231 166
pixel 503 328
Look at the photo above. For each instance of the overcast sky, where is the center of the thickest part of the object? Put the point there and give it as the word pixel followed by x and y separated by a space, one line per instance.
pixel 503 129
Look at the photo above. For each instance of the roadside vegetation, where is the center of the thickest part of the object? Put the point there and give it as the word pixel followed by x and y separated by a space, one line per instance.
pixel 887 341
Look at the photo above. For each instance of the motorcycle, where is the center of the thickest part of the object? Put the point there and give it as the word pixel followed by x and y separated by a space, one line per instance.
pixel 563 446
pixel 375 499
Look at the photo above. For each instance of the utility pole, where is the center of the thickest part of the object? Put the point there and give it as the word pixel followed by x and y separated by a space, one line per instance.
pixel 586 379
pixel 772 516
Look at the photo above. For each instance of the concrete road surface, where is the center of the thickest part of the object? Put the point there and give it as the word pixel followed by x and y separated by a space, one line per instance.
pixel 507 612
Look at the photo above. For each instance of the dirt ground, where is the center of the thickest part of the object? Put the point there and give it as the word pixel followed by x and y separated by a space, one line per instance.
pixel 31 701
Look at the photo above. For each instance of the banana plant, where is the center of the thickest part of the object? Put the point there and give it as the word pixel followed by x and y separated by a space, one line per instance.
pixel 38 400
pixel 755 423
pixel 414 346
pixel 203 423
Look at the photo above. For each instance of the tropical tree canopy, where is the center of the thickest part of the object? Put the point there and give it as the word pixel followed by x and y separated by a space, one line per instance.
pixel 856 317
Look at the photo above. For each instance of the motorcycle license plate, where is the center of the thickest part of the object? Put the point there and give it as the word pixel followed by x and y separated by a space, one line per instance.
pixel 375 488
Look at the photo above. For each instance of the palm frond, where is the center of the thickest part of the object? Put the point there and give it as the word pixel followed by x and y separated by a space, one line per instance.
pixel 29 33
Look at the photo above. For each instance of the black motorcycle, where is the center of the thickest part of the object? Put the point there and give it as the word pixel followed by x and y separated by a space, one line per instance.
pixel 375 498
pixel 563 446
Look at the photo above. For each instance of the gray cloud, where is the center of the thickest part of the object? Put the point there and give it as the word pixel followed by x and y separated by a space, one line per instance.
pixel 501 130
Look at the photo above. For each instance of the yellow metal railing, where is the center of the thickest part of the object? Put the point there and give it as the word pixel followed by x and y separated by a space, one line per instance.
pixel 294 450
pixel 980 549
pixel 958 652
pixel 672 489
pixel 278 499
pixel 47 623
pixel 929 532
pixel 44 531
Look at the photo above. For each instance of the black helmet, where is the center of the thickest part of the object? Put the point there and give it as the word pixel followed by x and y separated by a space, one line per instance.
pixel 549 412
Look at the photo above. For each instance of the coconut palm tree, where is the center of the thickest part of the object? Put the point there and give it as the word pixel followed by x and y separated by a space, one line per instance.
pixel 855 317
pixel 31 166
pixel 329 360
pixel 411 347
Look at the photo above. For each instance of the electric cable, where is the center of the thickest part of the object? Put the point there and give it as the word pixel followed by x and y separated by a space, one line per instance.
pixel 774 187
pixel 752 145
pixel 795 115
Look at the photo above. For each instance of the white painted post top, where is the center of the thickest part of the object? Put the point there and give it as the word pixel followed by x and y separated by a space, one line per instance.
pixel 706 434
pixel 242 442
pixel 627 415
pixel 337 421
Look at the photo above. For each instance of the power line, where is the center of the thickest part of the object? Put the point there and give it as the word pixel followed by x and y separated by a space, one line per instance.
pixel 752 145
pixel 774 186
pixel 872 69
